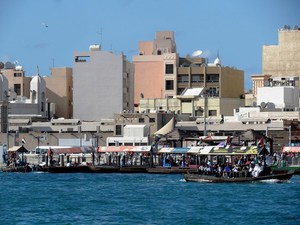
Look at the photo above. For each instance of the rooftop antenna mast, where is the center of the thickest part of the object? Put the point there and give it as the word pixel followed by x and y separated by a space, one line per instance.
pixel 38 70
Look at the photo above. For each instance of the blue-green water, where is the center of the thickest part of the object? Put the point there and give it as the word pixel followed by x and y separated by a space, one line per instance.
pixel 43 198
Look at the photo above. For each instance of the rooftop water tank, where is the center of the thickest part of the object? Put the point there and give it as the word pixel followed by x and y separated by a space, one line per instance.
pixel 95 48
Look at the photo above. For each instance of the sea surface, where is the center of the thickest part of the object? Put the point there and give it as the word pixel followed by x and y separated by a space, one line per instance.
pixel 79 198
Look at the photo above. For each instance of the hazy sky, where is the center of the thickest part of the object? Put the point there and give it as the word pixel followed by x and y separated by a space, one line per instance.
pixel 48 32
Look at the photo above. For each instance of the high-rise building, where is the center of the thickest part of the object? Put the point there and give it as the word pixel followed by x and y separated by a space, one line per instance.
pixel 102 84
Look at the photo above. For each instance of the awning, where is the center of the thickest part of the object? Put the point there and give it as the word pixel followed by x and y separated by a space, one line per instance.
pixel 124 149
pixel 166 129
pixel 72 150
pixel 180 150
pixel 195 150
pixel 291 149
pixel 165 150
pixel 19 149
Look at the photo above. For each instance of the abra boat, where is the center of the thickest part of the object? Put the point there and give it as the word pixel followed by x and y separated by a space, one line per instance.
pixel 214 179
pixel 170 170
pixel 21 169
pixel 68 169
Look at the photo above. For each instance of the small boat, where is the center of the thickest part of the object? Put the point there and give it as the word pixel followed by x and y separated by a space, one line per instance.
pixel 285 169
pixel 170 170
pixel 68 169
pixel 103 169
pixel 215 179
pixel 133 169
pixel 21 169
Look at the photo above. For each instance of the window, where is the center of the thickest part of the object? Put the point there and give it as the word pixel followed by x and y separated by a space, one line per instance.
pixel 82 58
pixel 152 120
pixel 213 78
pixel 169 68
pixel 17 74
pixel 141 120
pixel 212 112
pixel 197 78
pixel 169 85
pixel 118 129
pixel 183 78
pixel 17 89
pixel 158 52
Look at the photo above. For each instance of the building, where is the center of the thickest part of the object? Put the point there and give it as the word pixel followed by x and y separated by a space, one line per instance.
pixel 59 91
pixel 19 84
pixel 283 59
pixel 156 65
pixel 102 84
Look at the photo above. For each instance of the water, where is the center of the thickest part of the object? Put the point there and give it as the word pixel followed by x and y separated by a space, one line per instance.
pixel 44 198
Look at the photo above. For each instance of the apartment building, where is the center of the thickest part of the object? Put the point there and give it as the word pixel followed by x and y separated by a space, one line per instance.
pixel 102 84
pixel 155 68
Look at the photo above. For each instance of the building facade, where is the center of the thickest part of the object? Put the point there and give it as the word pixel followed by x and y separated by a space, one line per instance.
pixel 283 59
pixel 102 84
pixel 59 90
pixel 155 68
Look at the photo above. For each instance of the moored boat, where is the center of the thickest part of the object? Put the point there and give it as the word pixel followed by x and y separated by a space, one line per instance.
pixel 21 169
pixel 170 170
pixel 103 169
pixel 215 179
pixel 68 169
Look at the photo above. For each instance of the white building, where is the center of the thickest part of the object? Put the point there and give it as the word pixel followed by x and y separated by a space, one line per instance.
pixel 102 84
pixel 134 135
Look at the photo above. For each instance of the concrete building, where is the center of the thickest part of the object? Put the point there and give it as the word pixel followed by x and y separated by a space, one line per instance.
pixel 19 84
pixel 156 65
pixel 283 59
pixel 102 84
pixel 59 91
pixel 279 61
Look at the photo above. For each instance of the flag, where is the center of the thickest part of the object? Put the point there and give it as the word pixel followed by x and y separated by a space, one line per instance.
pixel 228 142
pixel 23 141
pixel 261 142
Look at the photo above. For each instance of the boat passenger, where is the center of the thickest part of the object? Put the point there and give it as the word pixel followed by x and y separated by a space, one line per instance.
pixel 227 171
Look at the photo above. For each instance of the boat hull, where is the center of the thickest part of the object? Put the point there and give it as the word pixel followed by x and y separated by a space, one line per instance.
pixel 20 169
pixel 214 179
pixel 68 169
pixel 170 170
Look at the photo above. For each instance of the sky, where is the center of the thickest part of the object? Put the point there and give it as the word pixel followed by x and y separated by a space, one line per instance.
pixel 46 33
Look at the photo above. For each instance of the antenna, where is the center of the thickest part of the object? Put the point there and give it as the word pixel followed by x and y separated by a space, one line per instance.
pixel 196 53
pixel 38 70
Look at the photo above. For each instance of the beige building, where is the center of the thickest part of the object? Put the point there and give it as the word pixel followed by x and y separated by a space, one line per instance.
pixel 17 81
pixel 60 91
pixel 279 61
pixel 283 59
pixel 155 68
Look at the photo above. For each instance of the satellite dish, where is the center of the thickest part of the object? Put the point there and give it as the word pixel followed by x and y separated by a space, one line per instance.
pixel 1 65
pixel 262 104
pixel 196 53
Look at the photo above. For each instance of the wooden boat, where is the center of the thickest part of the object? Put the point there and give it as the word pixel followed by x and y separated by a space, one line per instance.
pixel 170 170
pixel 68 169
pixel 133 169
pixel 103 169
pixel 21 169
pixel 285 169
pixel 214 179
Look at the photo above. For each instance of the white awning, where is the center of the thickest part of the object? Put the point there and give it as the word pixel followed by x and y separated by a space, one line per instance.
pixel 166 129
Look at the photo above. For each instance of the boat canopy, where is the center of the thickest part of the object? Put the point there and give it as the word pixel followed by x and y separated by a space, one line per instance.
pixel 124 149
pixel 20 149
pixel 212 150
pixel 291 149
pixel 72 150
